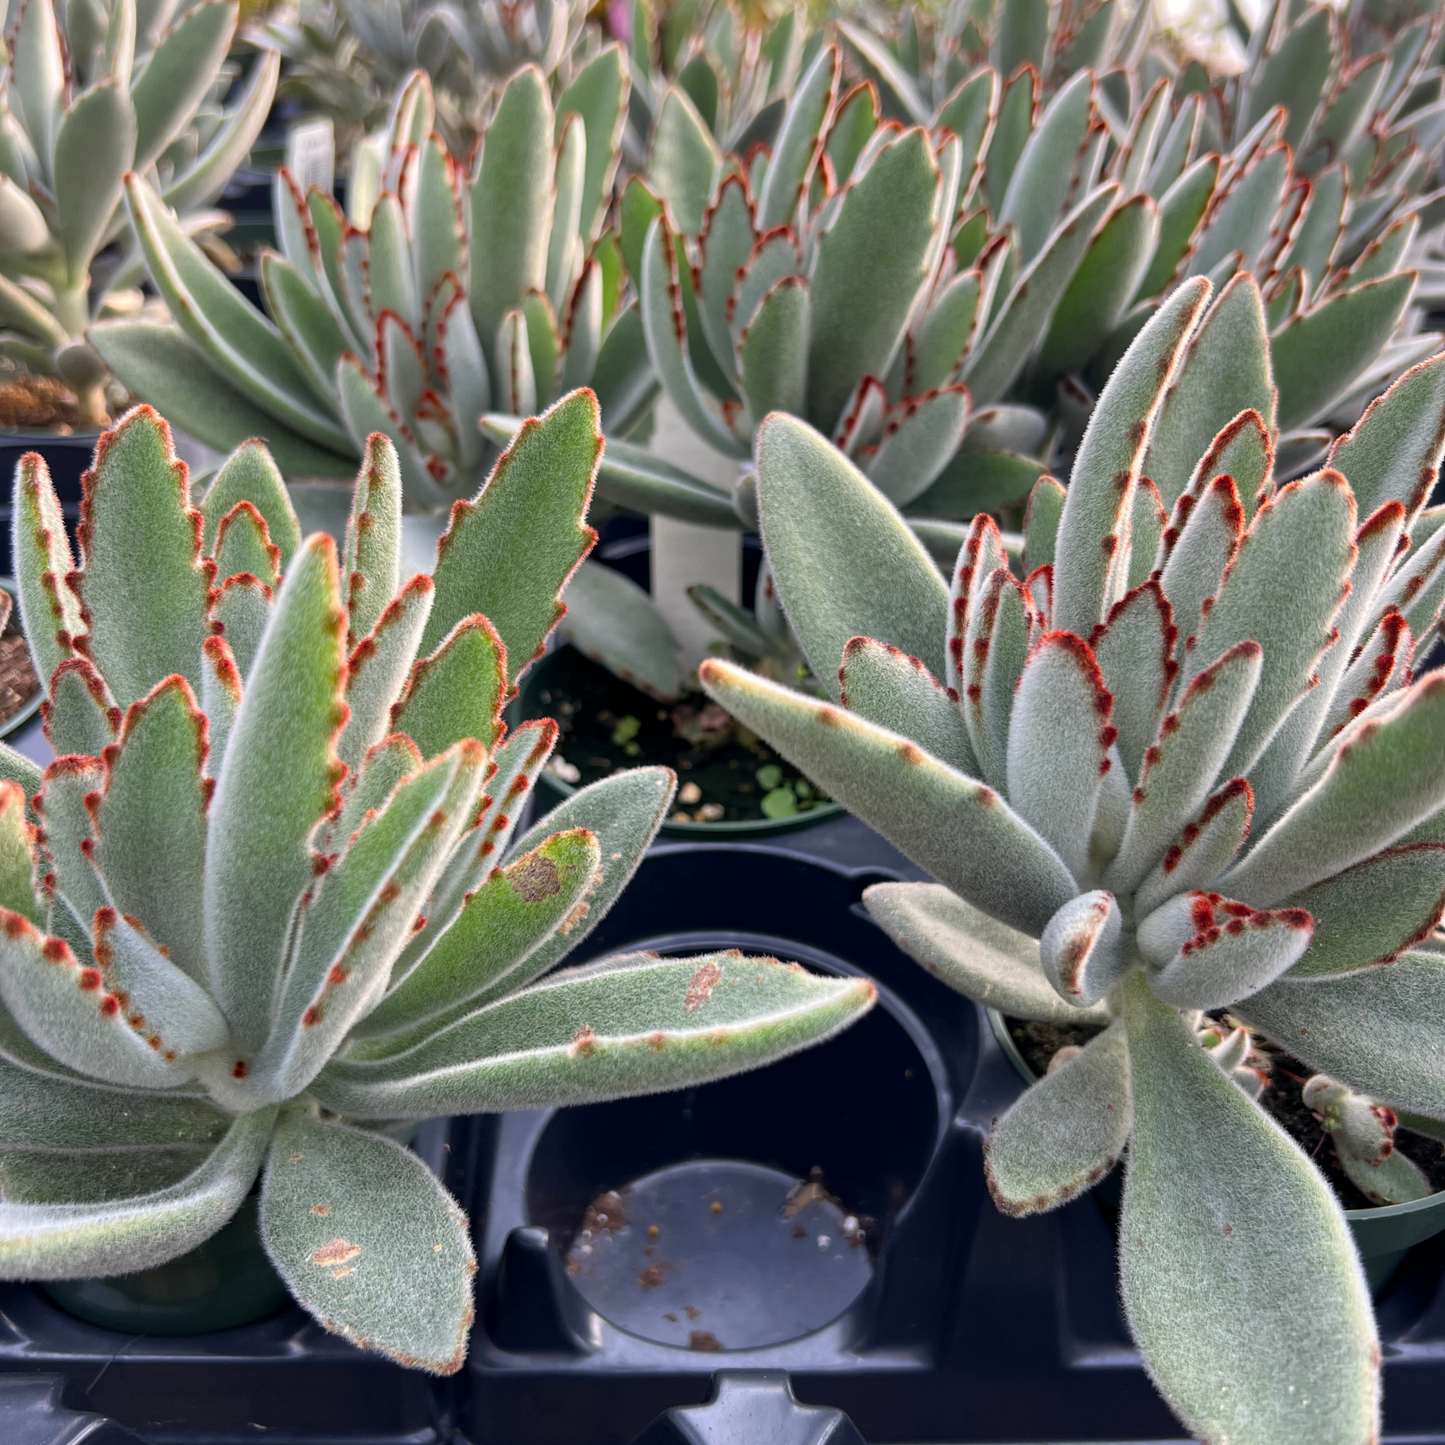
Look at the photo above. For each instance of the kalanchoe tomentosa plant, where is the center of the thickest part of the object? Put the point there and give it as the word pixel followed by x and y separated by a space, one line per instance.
pixel 816 279
pixel 1177 770
pixel 120 88
pixel 266 905
pixel 713 64
pixel 445 294
pixel 347 60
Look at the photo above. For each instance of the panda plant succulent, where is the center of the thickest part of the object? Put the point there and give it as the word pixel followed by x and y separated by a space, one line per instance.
pixel 265 904
pixel 347 60
pixel 941 288
pixel 445 291
pixel 1173 773
pixel 109 88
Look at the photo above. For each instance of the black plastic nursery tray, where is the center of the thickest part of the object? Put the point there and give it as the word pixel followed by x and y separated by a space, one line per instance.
pixel 825 1217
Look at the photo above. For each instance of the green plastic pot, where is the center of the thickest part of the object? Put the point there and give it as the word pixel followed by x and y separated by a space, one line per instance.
pixel 1384 1234
pixel 225 1282
pixel 554 790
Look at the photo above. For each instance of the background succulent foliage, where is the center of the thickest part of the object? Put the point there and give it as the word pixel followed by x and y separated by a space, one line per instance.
pixel 441 293
pixel 347 60
pixel 816 279
pixel 120 87
pixel 267 902
pixel 1173 768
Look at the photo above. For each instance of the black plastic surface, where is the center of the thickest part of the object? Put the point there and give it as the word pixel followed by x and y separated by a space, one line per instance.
pixel 751 1407
pixel 66 457
pixel 968 1328
pixel 33 1412
pixel 971 1327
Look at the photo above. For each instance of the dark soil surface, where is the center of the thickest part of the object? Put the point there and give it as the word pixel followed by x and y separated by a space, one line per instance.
pixel 1038 1043
pixel 1282 1099
pixel 725 773
pixel 18 682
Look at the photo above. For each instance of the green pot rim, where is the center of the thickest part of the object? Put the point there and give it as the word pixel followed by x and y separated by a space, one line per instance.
pixel 1382 1215
pixel 28 711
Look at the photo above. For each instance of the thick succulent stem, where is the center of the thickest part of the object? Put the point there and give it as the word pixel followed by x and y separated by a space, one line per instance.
pixel 78 365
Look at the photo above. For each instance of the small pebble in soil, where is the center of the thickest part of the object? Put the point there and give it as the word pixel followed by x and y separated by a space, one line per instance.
pixel 689 793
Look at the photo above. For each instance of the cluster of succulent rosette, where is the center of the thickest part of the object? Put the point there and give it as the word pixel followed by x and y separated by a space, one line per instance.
pixel 266 909
pixel 1147 351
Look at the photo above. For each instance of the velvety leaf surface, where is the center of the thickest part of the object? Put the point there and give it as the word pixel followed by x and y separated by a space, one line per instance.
pixel 150 822
pixel 241 610
pixel 242 545
pixel 886 686
pixel 234 337
pixel 1211 952
pixel 1108 463
pixel 36 1177
pixel 1023 319
pixel 509 553
pixel 1239 1276
pixel 360 915
pixel 1387 775
pixel 963 832
pixel 19 857
pixel 156 360
pixel 1317 356
pixel 510 212
pixel 1224 371
pixel 656 1024
pixel 379 668
pixel 1282 590
pixel 65 824
pixel 1180 768
pixel 1066 1132
pixel 1058 743
pixel 127 1016
pixel 457 692
pixel 49 1111
pixel 80 715
pixel 369 1242
pixel 1204 847
pixel 1370 914
pixel 371 561
pixel 68 1241
pixel 862 573
pixel 624 811
pixel 518 761
pixel 278 779
pixel 1379 1031
pixel 42 562
pixel 889 212
pixel 143 586
pixel 800 141
pixel 499 925
pixel 1393 452
pixel 1134 651
pixel 980 957
pixel 1080 950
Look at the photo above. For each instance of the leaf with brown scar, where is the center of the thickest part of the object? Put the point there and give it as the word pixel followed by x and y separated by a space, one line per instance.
pixel 369 1268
